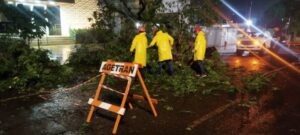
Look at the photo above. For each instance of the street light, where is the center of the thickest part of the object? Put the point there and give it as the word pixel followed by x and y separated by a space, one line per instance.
pixel 137 24
pixel 249 22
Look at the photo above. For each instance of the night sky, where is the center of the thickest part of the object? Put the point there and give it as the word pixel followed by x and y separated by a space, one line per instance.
pixel 243 6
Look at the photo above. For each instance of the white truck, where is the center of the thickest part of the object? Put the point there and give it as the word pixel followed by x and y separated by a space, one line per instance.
pixel 253 42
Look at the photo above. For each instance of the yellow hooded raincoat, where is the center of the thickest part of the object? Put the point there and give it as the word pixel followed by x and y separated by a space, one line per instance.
pixel 200 46
pixel 164 44
pixel 139 44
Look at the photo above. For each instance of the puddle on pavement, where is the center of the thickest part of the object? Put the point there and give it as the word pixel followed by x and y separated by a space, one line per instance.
pixel 53 113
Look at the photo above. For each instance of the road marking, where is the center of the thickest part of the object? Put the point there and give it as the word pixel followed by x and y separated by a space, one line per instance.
pixel 210 115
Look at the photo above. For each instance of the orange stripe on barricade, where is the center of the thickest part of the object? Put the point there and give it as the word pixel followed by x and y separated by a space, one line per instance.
pixel 107 106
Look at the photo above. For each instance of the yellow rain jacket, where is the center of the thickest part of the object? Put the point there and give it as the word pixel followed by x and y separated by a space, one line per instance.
pixel 139 44
pixel 200 46
pixel 164 44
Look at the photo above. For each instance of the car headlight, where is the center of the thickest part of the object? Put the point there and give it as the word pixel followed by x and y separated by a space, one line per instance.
pixel 256 42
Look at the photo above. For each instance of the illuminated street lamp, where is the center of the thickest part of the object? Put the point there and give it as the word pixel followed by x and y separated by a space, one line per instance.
pixel 137 24
pixel 249 22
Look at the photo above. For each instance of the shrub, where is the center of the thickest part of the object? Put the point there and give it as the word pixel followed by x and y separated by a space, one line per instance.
pixel 87 58
pixel 26 69
pixel 185 80
pixel 89 36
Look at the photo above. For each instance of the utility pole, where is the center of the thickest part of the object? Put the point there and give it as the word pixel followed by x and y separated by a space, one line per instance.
pixel 250 10
pixel 249 17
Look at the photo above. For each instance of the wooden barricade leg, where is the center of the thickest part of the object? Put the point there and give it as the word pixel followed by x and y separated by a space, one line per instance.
pixel 122 105
pixel 88 120
pixel 146 93
pixel 139 97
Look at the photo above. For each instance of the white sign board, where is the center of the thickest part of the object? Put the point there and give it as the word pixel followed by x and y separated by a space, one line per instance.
pixel 119 68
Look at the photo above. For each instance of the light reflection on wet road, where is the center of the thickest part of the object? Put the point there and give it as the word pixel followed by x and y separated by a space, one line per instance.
pixel 250 63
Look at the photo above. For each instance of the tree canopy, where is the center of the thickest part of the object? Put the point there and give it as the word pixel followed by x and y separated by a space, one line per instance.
pixel 160 11
pixel 23 21
pixel 284 12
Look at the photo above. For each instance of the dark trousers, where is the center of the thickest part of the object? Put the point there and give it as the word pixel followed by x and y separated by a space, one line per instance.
pixel 198 66
pixel 143 71
pixel 170 68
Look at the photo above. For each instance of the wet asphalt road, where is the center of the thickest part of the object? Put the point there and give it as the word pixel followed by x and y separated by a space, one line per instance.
pixel 276 111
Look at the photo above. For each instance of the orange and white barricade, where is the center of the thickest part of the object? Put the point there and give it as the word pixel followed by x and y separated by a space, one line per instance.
pixel 125 71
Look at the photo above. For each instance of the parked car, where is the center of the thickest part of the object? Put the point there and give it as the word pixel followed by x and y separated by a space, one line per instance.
pixel 253 42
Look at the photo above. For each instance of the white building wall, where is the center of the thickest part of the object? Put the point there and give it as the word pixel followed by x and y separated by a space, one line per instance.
pixel 223 38
pixel 75 15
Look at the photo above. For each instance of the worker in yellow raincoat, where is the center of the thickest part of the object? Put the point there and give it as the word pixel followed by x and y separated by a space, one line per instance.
pixel 139 48
pixel 199 51
pixel 164 44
